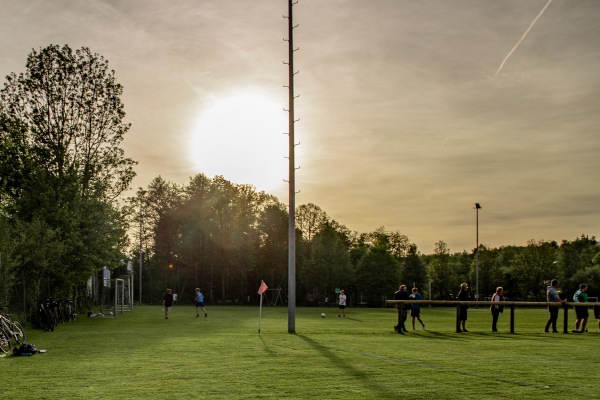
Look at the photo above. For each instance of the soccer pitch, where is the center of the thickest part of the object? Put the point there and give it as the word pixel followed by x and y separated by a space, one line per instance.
pixel 140 355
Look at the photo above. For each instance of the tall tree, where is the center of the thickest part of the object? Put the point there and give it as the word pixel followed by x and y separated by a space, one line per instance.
pixel 40 249
pixel 9 259
pixel 413 270
pixel 16 161
pixel 196 218
pixel 397 244
pixel 272 249
pixel 330 266
pixel 490 272
pixel 310 218
pixel 70 166
pixel 573 257
pixel 162 202
pixel 443 281
pixel 532 266
pixel 377 275
pixel 70 102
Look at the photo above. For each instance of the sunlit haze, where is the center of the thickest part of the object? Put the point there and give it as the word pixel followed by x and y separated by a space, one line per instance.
pixel 410 111
pixel 241 136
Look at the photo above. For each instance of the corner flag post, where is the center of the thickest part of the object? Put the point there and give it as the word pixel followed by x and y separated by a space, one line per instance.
pixel 263 288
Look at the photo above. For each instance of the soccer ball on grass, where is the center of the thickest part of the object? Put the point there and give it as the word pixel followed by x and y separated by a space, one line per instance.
pixel 322 315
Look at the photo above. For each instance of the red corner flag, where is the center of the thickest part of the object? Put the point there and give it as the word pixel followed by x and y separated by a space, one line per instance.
pixel 263 287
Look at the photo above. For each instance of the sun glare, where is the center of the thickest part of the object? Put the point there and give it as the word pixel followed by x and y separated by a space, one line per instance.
pixel 241 137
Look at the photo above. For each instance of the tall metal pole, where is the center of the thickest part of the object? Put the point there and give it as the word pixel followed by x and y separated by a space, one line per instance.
pixel 292 180
pixel 141 255
pixel 477 254
pixel 477 207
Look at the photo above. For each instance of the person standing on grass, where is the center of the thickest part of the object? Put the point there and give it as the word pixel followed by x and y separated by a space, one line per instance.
pixel 582 312
pixel 200 303
pixel 342 303
pixel 168 302
pixel 415 309
pixel 597 316
pixel 553 297
pixel 402 294
pixel 496 308
pixel 463 296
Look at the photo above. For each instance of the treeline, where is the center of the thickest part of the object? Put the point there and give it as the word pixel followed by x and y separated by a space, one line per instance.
pixel 225 238
pixel 62 173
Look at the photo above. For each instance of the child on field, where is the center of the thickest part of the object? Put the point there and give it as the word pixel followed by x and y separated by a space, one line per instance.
pixel 342 303
pixel 415 309
pixel 168 302
pixel 200 303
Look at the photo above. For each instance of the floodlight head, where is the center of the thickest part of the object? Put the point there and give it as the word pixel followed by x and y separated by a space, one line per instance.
pixel 477 205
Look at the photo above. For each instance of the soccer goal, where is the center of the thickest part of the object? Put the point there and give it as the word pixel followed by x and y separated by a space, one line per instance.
pixel 111 296
pixel 126 293
pixel 115 295
pixel 111 303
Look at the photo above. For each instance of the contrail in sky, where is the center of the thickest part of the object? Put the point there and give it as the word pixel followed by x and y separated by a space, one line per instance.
pixel 502 64
pixel 522 37
pixel 452 132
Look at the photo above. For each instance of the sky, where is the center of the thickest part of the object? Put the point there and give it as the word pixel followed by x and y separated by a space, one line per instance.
pixel 409 112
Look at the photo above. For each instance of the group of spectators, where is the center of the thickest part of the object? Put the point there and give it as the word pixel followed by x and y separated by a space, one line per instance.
pixel 582 312
pixel 415 309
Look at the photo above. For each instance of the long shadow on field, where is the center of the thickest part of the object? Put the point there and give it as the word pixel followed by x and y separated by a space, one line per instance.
pixel 457 336
pixel 357 373
pixel 354 319
pixel 267 348
pixel 329 353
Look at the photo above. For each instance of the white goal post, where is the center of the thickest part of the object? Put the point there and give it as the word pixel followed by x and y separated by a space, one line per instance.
pixel 118 296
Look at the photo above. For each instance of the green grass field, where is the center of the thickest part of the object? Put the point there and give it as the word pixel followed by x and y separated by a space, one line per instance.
pixel 140 355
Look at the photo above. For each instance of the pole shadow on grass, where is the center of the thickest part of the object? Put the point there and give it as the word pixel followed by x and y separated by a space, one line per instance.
pixel 461 336
pixel 353 319
pixel 357 373
pixel 267 348
pixel 329 352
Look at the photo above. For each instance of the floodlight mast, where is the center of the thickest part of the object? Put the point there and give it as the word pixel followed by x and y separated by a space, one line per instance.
pixel 141 194
pixel 141 255
pixel 292 178
pixel 477 207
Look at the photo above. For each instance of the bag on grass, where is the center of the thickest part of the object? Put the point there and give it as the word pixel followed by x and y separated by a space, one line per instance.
pixel 25 349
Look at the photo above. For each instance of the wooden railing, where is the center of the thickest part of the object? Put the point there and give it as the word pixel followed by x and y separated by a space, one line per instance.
pixel 510 304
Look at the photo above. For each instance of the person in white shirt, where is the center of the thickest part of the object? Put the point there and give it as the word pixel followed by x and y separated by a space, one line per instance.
pixel 496 309
pixel 342 303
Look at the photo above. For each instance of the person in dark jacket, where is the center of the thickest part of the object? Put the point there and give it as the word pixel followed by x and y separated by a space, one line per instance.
pixel 168 302
pixel 553 297
pixel 463 296
pixel 402 294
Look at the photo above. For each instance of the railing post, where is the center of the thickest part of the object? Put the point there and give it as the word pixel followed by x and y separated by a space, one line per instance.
pixel 458 330
pixel 566 319
pixel 512 318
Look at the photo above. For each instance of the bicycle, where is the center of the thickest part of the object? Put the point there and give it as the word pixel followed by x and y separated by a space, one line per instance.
pixel 10 330
pixel 68 310
pixel 53 307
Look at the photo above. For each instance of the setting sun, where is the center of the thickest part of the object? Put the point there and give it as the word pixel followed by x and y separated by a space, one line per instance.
pixel 242 138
